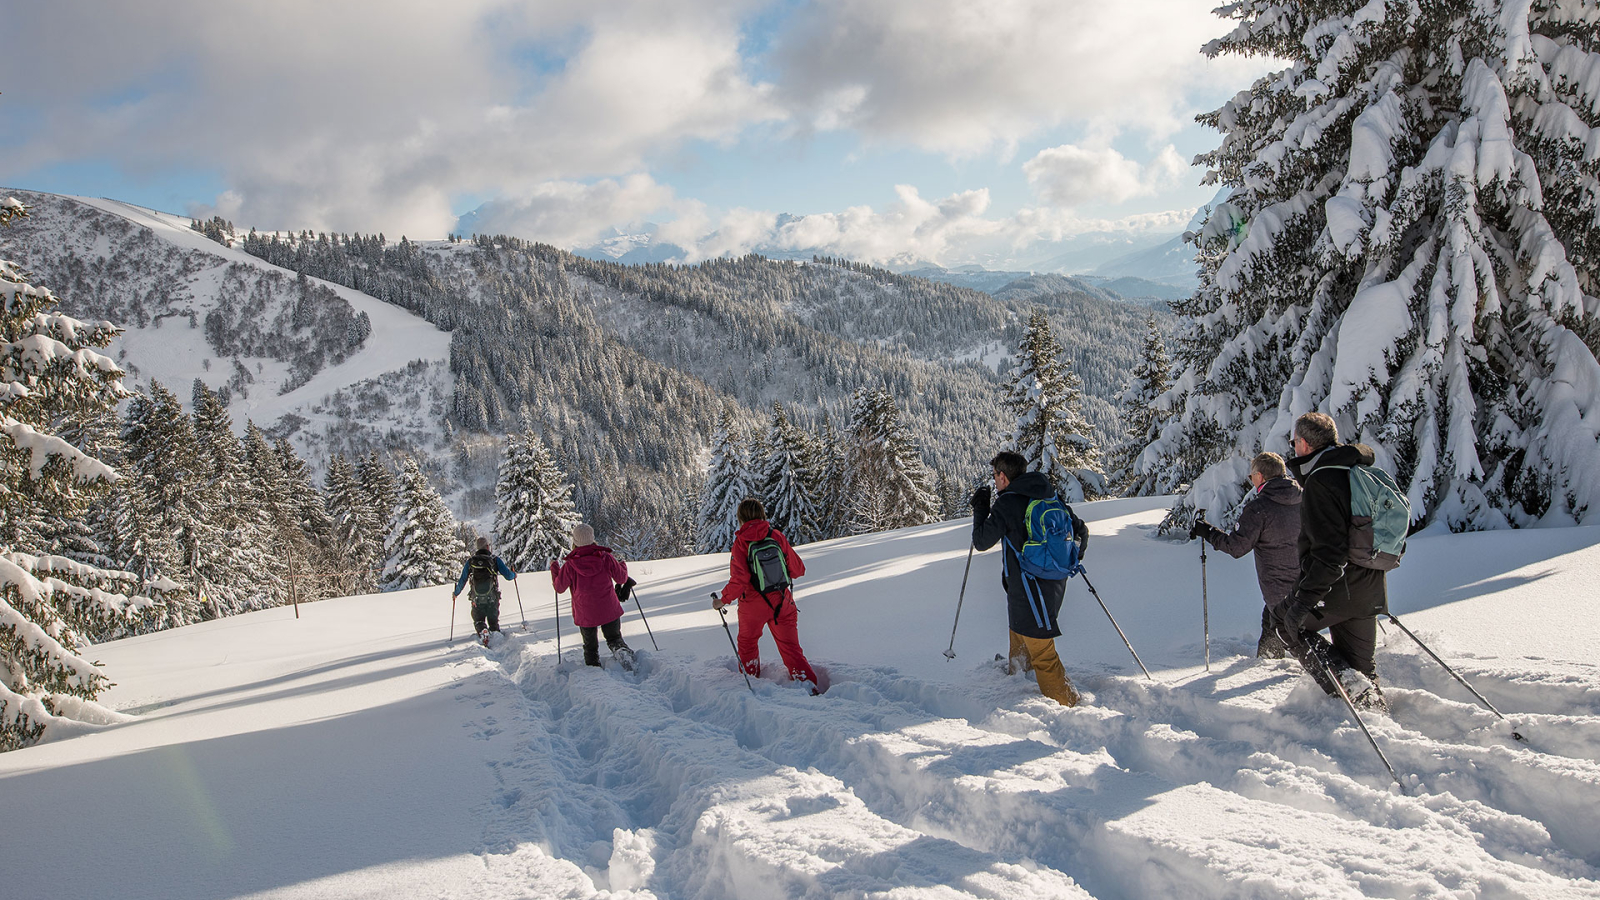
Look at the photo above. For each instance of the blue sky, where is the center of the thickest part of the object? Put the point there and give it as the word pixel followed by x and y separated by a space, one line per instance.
pixel 900 128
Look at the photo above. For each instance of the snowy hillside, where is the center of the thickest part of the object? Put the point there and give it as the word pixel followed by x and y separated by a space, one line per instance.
pixel 193 308
pixel 353 753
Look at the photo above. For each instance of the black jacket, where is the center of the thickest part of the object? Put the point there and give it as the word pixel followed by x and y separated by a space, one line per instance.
pixel 1328 584
pixel 1032 605
pixel 1269 525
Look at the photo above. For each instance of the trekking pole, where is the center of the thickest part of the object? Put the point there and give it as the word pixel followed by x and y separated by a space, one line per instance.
pixel 1350 705
pixel 631 587
pixel 558 630
pixel 735 647
pixel 1481 699
pixel 452 620
pixel 519 604
pixel 950 653
pixel 1114 622
pixel 1205 599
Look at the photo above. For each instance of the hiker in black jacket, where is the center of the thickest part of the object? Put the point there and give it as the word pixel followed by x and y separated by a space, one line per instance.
pixel 1033 604
pixel 481 568
pixel 1269 525
pixel 1330 592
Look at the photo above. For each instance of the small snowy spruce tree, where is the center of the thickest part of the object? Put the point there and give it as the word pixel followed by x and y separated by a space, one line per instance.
pixel 1411 247
pixel 534 512
pixel 1051 432
pixel 50 375
pixel 1143 415
pixel 426 549
pixel 728 481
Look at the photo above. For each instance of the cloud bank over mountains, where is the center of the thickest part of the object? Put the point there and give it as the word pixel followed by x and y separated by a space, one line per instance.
pixel 566 117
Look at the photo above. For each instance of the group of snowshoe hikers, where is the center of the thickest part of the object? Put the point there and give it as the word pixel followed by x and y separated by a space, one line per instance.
pixel 1315 570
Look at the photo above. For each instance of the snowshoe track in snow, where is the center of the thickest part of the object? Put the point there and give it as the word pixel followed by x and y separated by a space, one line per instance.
pixel 678 782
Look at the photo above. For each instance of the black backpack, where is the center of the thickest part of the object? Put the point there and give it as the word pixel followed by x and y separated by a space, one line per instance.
pixel 769 570
pixel 485 581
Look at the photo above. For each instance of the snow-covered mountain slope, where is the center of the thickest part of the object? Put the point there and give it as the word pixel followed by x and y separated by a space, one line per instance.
pixel 337 367
pixel 354 753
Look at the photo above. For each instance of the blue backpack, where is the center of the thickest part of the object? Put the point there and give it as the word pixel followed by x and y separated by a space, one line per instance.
pixel 1052 550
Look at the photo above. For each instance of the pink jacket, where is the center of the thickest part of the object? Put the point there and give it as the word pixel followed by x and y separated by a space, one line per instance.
pixel 590 572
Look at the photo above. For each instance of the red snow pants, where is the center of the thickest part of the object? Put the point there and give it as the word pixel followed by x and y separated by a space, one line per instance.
pixel 755 613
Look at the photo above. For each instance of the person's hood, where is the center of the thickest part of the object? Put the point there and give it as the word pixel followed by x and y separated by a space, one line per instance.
pixel 1032 485
pixel 590 559
pixel 1281 490
pixel 1335 455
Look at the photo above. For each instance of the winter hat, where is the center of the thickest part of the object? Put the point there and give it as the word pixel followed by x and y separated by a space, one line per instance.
pixel 582 535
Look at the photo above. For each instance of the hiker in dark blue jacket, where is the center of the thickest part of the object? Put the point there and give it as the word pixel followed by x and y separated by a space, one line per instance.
pixel 1032 603
pixel 481 568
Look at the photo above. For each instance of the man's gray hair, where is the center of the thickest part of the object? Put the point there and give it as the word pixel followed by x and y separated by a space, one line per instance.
pixel 1317 429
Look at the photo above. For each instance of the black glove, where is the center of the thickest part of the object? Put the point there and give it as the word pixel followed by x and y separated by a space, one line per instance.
pixel 1200 529
pixel 624 589
pixel 982 498
pixel 1295 616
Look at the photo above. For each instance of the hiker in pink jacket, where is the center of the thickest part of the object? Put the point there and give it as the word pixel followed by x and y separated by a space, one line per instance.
pixel 591 572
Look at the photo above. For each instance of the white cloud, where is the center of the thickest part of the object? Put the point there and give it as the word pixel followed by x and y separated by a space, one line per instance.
pixel 965 78
pixel 1069 175
pixel 571 214
pixel 369 116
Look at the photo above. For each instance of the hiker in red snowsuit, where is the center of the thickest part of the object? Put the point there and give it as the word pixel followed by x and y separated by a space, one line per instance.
pixel 774 610
pixel 591 573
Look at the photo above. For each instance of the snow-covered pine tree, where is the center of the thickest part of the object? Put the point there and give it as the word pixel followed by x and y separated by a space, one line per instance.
pixel 534 512
pixel 50 374
pixel 887 485
pixel 309 511
pixel 787 480
pixel 358 544
pixel 425 549
pixel 1143 415
pixel 728 481
pixel 828 471
pixel 1410 246
pixel 383 491
pixel 235 566
pixel 1050 430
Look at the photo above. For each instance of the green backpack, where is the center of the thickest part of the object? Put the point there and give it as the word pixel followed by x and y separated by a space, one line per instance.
pixel 1380 516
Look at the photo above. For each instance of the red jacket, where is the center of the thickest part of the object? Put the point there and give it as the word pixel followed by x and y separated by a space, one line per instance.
pixel 739 585
pixel 589 572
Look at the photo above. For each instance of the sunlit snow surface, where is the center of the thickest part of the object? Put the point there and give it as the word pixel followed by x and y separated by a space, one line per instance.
pixel 354 753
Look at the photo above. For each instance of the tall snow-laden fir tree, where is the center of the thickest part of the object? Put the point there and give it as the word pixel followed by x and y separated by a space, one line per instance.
pixel 382 491
pixel 425 549
pixel 1411 246
pixel 787 480
pixel 1050 430
pixel 728 481
pixel 51 376
pixel 309 511
pixel 1143 414
pixel 534 512
pixel 886 483
pixel 358 542
pixel 234 564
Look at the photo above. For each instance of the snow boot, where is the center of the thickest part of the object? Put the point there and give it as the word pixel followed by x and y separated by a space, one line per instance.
pixel 1271 646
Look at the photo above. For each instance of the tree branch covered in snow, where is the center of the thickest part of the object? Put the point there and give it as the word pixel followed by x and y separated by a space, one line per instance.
pixel 1409 246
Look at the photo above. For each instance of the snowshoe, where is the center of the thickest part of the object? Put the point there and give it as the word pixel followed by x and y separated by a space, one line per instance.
pixel 624 658
pixel 1364 692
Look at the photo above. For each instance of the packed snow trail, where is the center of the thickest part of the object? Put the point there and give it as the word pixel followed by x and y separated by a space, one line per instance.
pixel 1129 797
pixel 354 753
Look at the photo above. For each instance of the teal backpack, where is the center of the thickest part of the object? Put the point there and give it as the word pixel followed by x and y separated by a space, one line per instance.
pixel 1380 516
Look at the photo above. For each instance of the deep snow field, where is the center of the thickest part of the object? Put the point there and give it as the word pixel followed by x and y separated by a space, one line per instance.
pixel 353 753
